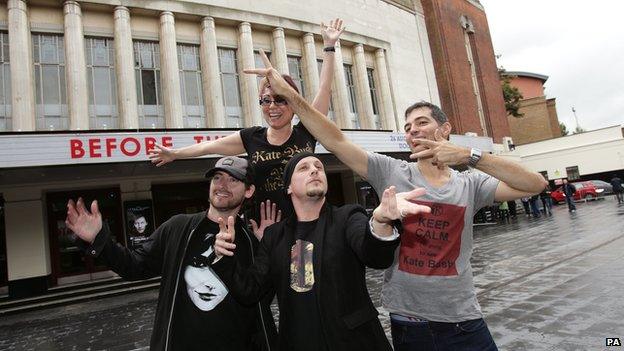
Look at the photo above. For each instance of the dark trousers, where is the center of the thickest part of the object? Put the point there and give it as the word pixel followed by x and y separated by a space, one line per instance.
pixel 534 208
pixel 512 208
pixel 570 201
pixel 471 335
pixel 618 195
pixel 547 204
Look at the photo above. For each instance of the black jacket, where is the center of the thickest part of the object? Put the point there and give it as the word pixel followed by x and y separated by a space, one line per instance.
pixel 163 254
pixel 348 318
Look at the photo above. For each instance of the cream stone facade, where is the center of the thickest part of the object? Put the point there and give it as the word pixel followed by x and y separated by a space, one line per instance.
pixel 397 51
pixel 136 72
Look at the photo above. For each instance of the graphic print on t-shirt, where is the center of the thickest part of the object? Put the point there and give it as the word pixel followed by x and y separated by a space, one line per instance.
pixel 301 266
pixel 273 181
pixel 203 286
pixel 431 242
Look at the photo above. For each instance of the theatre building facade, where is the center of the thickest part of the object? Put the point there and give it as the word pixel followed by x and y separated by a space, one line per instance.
pixel 88 87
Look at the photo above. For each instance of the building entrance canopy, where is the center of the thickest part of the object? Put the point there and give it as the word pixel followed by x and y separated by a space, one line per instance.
pixel 42 149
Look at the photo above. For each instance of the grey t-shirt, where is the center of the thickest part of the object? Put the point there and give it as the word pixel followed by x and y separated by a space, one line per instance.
pixel 431 277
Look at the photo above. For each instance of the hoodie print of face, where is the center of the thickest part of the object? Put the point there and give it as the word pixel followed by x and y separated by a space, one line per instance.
pixel 203 285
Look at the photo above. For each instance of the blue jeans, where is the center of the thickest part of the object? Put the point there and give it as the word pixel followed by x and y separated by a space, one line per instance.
pixel 534 208
pixel 570 201
pixel 471 335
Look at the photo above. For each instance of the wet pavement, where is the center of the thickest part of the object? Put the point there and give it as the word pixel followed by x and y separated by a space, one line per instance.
pixel 552 283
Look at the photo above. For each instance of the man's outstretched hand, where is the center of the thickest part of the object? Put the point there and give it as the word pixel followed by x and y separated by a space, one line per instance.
pixel 398 205
pixel 83 223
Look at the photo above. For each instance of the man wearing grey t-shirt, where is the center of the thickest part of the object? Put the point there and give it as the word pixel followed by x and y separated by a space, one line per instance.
pixel 429 290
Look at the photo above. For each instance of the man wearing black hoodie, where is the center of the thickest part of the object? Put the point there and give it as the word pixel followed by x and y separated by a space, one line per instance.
pixel 195 309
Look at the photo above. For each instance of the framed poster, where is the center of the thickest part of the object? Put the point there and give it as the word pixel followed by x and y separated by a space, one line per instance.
pixel 139 222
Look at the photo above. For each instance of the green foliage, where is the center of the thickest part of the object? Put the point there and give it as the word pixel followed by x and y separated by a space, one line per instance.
pixel 579 130
pixel 511 94
pixel 564 129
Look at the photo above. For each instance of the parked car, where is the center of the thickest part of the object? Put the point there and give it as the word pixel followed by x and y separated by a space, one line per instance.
pixel 606 187
pixel 584 190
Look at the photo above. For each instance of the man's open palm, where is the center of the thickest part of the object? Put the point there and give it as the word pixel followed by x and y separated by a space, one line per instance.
pixel 83 223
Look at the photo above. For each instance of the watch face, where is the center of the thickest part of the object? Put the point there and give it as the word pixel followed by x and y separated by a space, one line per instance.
pixel 475 156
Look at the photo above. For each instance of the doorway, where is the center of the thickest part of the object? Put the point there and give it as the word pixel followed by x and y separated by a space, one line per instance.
pixel 173 199
pixel 69 263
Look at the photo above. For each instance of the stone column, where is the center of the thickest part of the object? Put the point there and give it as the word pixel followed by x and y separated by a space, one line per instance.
pixel 124 70
pixel 211 78
pixel 340 95
pixel 170 72
pixel 278 56
pixel 386 107
pixel 248 82
pixel 310 67
pixel 75 67
pixel 22 74
pixel 362 88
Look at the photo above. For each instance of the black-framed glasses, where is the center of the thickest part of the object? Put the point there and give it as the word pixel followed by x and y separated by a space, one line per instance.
pixel 278 101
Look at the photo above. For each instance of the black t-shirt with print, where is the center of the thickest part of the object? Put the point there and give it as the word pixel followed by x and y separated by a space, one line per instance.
pixel 206 317
pixel 304 331
pixel 269 161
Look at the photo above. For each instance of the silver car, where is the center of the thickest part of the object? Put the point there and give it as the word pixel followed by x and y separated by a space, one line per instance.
pixel 606 188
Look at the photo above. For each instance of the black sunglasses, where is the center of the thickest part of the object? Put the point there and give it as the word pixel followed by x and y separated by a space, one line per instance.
pixel 278 101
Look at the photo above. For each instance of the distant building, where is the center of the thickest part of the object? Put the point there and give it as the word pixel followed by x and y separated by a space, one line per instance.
pixel 597 154
pixel 540 120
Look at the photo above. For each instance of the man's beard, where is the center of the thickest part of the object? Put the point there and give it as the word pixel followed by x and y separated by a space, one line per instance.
pixel 315 193
pixel 228 205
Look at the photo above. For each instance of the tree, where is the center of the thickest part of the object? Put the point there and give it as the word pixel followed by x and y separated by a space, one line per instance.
pixel 564 129
pixel 511 94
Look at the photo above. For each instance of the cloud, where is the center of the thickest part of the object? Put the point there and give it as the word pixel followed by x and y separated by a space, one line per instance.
pixel 576 44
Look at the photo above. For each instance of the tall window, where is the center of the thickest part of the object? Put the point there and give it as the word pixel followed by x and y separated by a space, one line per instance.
pixel 294 67
pixel 330 112
pixel 229 83
pixel 355 121
pixel 51 98
pixel 147 71
pixel 100 55
pixel 373 92
pixel 191 86
pixel 5 83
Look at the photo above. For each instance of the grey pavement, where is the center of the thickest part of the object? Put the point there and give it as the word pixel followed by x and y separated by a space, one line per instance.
pixel 553 283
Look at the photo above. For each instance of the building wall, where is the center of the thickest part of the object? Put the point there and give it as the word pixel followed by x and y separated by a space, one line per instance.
pixel 529 87
pixel 453 71
pixel 535 124
pixel 551 104
pixel 539 121
pixel 593 152
pixel 402 41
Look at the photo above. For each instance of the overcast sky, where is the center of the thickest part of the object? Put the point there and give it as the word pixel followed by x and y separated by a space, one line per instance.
pixel 579 45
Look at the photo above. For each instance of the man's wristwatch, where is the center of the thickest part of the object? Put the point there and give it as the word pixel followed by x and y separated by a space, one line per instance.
pixel 475 156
